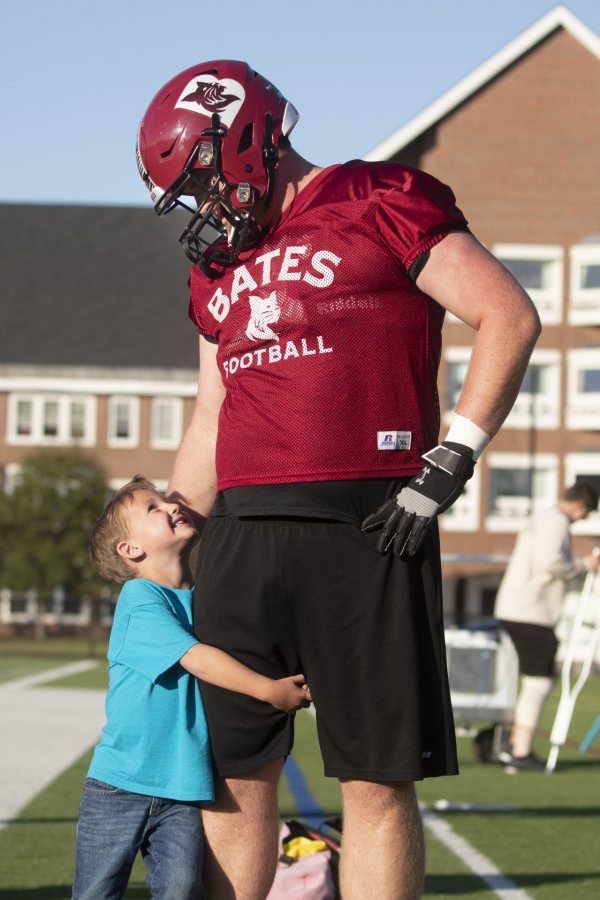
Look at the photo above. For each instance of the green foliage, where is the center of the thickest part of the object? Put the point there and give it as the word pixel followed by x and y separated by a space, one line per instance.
pixel 46 521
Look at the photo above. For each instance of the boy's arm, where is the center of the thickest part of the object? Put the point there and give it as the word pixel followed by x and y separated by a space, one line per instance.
pixel 216 667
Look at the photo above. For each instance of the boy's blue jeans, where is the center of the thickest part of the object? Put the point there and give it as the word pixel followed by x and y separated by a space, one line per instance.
pixel 114 824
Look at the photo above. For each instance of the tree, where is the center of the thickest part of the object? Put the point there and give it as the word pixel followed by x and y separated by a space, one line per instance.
pixel 45 523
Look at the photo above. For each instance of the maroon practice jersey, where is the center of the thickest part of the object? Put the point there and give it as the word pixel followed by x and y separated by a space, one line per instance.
pixel 328 351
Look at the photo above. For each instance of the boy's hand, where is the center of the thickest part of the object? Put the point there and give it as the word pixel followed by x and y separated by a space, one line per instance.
pixel 197 518
pixel 290 694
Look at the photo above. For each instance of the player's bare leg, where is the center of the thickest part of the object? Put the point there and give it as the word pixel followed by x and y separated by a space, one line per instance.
pixel 383 853
pixel 242 829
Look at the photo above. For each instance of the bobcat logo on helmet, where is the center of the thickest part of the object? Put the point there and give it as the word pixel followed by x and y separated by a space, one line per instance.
pixel 212 96
pixel 264 311
pixel 206 95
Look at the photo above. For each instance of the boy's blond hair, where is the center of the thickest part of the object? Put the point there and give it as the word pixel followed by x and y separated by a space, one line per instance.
pixel 111 528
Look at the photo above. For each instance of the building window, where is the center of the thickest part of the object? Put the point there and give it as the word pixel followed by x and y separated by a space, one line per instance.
pixel 123 421
pixel 584 467
pixel 166 422
pixel 77 420
pixel 584 300
pixel 538 402
pixel 463 515
pixel 17 607
pixel 583 403
pixel 519 484
pixel 538 268
pixel 24 418
pixel 457 363
pixel 51 420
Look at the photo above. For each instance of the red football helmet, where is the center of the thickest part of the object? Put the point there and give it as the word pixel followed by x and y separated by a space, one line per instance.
pixel 212 132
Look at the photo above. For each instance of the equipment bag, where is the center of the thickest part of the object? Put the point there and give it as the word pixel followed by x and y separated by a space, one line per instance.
pixel 308 864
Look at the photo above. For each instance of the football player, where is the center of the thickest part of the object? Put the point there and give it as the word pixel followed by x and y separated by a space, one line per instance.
pixel 319 296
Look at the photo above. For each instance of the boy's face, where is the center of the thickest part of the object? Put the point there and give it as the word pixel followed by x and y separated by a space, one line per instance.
pixel 157 525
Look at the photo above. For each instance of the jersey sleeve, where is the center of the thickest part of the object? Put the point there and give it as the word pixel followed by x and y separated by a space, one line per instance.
pixel 198 286
pixel 413 217
pixel 155 638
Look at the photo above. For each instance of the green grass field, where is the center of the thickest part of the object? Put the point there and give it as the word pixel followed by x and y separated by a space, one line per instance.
pixel 548 845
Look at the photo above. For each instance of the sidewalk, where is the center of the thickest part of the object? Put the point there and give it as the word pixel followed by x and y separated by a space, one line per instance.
pixel 43 731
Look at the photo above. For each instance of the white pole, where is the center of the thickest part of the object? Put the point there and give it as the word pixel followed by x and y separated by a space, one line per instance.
pixel 570 691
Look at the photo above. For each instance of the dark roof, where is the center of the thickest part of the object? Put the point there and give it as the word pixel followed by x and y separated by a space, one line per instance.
pixel 93 286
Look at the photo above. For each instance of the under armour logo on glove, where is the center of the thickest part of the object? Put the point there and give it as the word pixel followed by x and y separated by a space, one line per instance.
pixel 404 519
pixel 422 475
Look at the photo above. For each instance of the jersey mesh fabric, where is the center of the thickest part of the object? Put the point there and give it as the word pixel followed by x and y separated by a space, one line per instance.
pixel 323 339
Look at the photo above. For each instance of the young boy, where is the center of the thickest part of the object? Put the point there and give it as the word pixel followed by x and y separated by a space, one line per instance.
pixel 152 767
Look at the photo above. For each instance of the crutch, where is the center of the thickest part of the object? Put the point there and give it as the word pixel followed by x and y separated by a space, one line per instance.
pixel 570 691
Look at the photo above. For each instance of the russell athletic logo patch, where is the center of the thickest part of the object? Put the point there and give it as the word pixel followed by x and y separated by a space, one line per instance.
pixel 394 440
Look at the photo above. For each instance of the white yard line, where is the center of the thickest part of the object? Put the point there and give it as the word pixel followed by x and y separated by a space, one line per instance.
pixel 479 864
pixel 43 731
pixel 27 681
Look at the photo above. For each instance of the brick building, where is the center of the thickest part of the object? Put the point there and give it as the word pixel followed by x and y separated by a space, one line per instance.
pixel 519 141
pixel 96 349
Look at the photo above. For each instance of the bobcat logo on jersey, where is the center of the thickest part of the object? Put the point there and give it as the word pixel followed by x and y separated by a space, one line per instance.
pixel 206 95
pixel 264 311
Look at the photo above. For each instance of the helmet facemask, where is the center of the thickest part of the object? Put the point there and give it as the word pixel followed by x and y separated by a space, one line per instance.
pixel 235 211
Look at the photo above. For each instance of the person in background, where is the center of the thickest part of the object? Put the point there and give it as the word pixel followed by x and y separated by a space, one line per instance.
pixel 529 604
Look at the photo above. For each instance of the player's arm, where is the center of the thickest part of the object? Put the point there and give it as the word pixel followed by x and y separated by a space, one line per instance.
pixel 464 278
pixel 194 479
pixel 216 667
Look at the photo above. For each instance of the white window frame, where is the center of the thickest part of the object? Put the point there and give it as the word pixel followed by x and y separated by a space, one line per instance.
pixel 83 617
pixel 453 355
pixel 583 409
pixel 518 512
pixel 584 303
pixel 547 405
pixel 581 464
pixel 133 438
pixel 463 515
pixel 172 442
pixel 38 403
pixel 8 616
pixel 548 301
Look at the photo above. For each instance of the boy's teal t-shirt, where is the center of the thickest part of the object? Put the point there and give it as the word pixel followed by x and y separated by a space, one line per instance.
pixel 155 739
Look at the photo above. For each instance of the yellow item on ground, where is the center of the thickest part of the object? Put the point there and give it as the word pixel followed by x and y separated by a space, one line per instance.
pixel 297 847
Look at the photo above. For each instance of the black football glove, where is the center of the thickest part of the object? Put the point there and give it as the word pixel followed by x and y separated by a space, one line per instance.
pixel 406 517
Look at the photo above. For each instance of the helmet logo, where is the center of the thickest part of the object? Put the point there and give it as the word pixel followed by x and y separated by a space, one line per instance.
pixel 264 311
pixel 206 95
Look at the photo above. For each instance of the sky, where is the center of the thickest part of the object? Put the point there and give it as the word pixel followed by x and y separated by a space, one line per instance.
pixel 76 76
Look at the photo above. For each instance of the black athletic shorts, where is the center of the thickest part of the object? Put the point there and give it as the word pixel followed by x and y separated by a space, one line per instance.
pixel 536 647
pixel 287 595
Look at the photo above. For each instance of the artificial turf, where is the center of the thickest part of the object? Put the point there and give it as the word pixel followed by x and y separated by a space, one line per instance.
pixel 548 844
